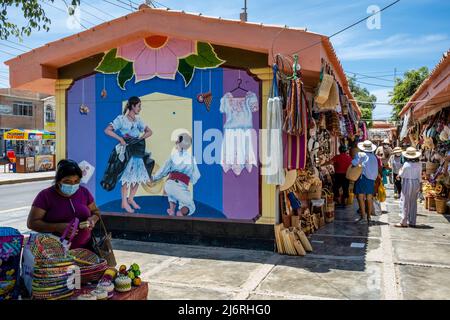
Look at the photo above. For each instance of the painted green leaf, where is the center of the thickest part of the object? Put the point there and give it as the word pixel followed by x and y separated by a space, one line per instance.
pixel 125 75
pixel 205 57
pixel 111 64
pixel 186 71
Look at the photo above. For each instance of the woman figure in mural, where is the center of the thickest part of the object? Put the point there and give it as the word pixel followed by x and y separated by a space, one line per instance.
pixel 182 169
pixel 132 132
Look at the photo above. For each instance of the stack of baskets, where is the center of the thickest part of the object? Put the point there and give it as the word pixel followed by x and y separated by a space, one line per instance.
pixel 53 269
pixel 92 267
pixel 315 192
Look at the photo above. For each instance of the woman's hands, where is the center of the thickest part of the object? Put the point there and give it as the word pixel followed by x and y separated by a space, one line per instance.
pixel 92 222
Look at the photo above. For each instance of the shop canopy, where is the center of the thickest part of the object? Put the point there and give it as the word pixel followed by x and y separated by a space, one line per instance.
pixel 36 135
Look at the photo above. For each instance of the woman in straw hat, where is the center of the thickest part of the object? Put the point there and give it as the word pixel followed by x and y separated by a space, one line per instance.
pixel 395 163
pixel 365 185
pixel 411 175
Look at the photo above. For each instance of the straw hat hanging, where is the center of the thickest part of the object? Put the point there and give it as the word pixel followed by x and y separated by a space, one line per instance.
pixel 291 177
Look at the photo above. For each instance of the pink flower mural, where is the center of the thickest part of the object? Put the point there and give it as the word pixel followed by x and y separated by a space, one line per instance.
pixel 156 56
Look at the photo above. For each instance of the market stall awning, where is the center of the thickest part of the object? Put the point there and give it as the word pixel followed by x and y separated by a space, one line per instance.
pixel 433 94
pixel 18 134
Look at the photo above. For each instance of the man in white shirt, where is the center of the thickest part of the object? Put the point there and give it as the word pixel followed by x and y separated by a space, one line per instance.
pixel 365 185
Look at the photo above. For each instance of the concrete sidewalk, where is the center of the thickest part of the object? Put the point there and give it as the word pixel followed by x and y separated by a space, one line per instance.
pixel 10 177
pixel 350 261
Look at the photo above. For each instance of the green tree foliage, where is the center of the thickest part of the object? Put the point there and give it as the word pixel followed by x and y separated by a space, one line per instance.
pixel 32 12
pixel 405 88
pixel 362 94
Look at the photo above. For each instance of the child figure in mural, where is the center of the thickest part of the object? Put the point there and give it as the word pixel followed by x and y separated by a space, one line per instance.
pixel 129 159
pixel 182 169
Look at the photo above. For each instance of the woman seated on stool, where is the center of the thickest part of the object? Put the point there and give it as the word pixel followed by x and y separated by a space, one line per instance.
pixel 55 207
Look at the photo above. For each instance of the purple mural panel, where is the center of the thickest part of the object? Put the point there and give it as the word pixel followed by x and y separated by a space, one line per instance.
pixel 81 128
pixel 241 192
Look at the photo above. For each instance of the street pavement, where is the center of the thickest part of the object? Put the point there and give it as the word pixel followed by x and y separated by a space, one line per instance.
pixel 11 177
pixel 350 261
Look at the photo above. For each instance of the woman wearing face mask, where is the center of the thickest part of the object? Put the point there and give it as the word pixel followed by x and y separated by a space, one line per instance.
pixel 55 207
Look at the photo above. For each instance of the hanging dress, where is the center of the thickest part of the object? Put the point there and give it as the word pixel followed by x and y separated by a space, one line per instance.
pixel 238 149
pixel 275 173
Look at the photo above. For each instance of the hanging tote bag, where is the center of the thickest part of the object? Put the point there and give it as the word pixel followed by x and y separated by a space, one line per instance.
pixel 381 195
pixel 103 247
pixel 353 173
pixel 324 89
pixel 333 99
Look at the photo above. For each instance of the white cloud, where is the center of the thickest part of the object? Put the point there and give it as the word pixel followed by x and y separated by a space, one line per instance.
pixel 399 45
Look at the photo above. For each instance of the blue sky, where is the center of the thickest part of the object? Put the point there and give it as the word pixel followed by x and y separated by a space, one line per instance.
pixel 413 33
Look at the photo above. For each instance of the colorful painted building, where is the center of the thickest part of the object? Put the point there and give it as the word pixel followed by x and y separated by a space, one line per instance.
pixel 181 65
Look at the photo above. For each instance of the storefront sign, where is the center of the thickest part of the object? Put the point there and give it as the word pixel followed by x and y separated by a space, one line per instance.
pixel 15 135
pixel 44 163
pixel 50 126
pixel 49 136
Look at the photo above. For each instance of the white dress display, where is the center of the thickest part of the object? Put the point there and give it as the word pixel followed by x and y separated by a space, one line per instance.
pixel 237 146
pixel 275 173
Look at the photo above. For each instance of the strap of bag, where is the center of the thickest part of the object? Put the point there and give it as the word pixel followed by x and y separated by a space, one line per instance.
pixel 274 87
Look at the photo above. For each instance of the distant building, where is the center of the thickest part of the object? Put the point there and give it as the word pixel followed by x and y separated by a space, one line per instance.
pixel 21 109
pixel 383 130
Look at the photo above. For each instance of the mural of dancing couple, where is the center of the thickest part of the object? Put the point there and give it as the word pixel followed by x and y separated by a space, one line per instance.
pixel 130 161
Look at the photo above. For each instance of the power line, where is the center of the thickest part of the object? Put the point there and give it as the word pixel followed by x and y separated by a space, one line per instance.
pixel 162 5
pixel 6 45
pixel 93 15
pixel 62 10
pixel 127 4
pixel 8 53
pixel 18 43
pixel 395 103
pixel 117 5
pixel 373 84
pixel 99 10
pixel 348 27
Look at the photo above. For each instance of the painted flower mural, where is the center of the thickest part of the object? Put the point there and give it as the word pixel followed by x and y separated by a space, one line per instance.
pixel 158 56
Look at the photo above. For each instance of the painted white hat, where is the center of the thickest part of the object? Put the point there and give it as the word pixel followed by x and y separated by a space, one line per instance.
pixel 367 146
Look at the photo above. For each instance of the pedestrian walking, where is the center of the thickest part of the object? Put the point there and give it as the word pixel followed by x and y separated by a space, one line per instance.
pixel 384 152
pixel 395 163
pixel 365 185
pixel 341 163
pixel 411 177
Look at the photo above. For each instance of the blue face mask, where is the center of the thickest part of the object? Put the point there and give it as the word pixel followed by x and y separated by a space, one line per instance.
pixel 69 189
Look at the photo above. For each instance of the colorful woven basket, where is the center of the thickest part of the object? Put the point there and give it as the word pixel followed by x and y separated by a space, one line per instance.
pixel 92 267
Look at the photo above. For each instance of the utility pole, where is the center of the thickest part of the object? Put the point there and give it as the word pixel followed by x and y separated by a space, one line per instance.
pixel 244 15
